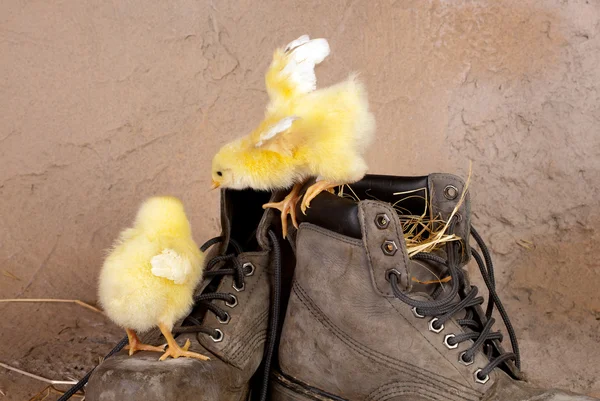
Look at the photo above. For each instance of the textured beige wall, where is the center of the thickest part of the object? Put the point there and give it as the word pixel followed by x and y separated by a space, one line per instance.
pixel 105 103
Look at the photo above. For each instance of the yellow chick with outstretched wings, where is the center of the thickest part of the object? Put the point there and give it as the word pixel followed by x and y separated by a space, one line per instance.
pixel 305 133
pixel 148 278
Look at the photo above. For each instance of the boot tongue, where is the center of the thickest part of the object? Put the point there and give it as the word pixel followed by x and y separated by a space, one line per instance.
pixel 427 277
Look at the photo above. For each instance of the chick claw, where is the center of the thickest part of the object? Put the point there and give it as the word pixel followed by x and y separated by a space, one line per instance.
pixel 133 348
pixel 287 206
pixel 313 191
pixel 176 351
pixel 136 345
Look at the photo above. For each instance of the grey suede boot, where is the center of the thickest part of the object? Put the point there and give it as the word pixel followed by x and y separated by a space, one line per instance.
pixel 366 322
pixel 232 323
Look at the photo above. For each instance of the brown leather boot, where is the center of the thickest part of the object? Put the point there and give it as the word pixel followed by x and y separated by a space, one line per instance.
pixel 366 322
pixel 232 323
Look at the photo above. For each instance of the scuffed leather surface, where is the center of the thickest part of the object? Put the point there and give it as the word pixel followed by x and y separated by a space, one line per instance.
pixel 342 336
pixel 144 378
pixel 506 389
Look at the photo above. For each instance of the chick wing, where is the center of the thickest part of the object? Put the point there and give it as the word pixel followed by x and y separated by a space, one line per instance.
pixel 292 72
pixel 172 266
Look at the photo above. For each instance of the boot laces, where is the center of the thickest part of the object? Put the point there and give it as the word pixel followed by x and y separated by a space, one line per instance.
pixel 230 266
pixel 233 267
pixel 445 304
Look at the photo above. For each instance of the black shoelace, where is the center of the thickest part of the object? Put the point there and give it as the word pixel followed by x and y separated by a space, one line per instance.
pixel 239 271
pixel 445 305
pixel 231 266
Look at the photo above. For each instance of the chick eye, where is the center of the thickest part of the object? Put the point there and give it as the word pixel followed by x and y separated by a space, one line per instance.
pixel 220 174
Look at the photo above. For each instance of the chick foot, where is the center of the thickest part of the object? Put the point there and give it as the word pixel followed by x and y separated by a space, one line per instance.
pixel 313 191
pixel 136 345
pixel 174 350
pixel 287 206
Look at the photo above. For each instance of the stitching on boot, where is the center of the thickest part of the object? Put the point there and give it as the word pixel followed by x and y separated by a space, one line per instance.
pixel 414 392
pixel 327 233
pixel 254 343
pixel 395 388
pixel 424 376
pixel 244 345
pixel 250 328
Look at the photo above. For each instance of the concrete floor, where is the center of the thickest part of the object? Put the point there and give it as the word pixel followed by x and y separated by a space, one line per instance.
pixel 106 103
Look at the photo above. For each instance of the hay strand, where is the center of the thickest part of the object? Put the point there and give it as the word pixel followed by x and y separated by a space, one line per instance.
pixel 424 232
pixel 45 393
pixel 10 275
pixel 40 378
pixel 444 280
pixel 74 301
pixel 529 245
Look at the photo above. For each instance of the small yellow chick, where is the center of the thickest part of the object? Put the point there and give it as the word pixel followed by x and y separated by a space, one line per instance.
pixel 305 133
pixel 148 278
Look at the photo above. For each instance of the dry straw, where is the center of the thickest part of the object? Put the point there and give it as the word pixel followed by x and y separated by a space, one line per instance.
pixel 425 232
pixel 42 300
pixel 46 392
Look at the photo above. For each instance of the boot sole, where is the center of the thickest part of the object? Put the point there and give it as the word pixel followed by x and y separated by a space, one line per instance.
pixel 285 388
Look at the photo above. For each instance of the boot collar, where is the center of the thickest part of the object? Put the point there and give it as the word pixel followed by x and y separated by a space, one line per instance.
pixel 378 195
pixel 243 218
pixel 341 214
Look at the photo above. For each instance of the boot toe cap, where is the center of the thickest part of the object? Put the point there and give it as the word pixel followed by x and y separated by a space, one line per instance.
pixel 507 389
pixel 143 377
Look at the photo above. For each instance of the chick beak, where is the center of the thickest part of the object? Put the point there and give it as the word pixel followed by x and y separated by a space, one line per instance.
pixel 215 185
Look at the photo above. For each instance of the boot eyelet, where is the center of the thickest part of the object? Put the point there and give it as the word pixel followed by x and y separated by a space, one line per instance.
pixel 417 314
pixel 479 380
pixel 240 288
pixel 450 192
pixel 251 266
pixel 447 344
pixel 432 328
pixel 382 221
pixel 461 359
pixel 226 320
pixel 233 303
pixel 392 272
pixel 219 336
pixel 389 247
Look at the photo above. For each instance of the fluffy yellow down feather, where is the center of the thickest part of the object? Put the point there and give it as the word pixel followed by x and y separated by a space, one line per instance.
pixel 150 274
pixel 328 135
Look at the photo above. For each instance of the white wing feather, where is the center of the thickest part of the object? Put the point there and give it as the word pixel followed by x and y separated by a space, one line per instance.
pixel 277 128
pixel 304 54
pixel 172 266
